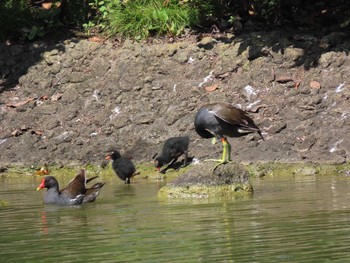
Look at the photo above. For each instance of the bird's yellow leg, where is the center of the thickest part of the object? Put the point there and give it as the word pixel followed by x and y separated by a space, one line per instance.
pixel 228 158
pixel 226 154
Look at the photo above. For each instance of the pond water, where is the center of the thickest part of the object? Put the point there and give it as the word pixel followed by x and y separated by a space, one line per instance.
pixel 294 219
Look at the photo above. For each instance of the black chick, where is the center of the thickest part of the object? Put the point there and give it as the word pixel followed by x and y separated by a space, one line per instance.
pixel 122 166
pixel 173 148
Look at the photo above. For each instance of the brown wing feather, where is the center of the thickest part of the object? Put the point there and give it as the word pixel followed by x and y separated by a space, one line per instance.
pixel 77 185
pixel 233 115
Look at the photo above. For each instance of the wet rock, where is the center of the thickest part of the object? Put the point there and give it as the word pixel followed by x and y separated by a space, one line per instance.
pixel 202 182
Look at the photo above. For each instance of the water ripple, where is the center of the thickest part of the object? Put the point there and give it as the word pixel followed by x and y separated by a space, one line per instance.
pixel 285 221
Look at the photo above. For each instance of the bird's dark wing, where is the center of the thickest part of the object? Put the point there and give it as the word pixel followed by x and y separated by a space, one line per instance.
pixel 76 186
pixel 233 115
pixel 92 178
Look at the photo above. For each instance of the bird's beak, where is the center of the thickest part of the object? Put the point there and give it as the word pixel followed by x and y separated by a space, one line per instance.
pixel 108 157
pixel 42 185
pixel 158 169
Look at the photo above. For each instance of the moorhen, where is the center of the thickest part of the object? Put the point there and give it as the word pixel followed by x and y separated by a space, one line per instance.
pixel 221 120
pixel 78 186
pixel 55 196
pixel 173 148
pixel 122 166
pixel 75 188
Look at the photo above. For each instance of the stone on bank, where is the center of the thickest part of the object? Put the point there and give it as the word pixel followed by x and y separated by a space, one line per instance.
pixel 229 180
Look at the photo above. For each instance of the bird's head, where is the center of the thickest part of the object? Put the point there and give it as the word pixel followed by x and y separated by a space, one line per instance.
pixel 113 155
pixel 158 163
pixel 48 182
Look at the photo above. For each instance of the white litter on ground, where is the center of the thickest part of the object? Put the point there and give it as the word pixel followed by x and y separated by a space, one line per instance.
pixel 206 79
pixel 334 148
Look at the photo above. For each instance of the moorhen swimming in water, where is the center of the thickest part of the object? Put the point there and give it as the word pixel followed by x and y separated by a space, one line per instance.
pixel 55 196
pixel 78 186
pixel 221 120
pixel 122 166
pixel 173 148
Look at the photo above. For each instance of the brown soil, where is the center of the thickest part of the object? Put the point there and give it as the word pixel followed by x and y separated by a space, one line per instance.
pixel 69 101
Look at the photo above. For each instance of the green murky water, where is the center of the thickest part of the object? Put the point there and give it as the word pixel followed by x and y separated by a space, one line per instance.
pixel 304 219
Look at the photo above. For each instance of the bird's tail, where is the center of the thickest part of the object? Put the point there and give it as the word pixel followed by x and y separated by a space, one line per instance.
pixel 262 137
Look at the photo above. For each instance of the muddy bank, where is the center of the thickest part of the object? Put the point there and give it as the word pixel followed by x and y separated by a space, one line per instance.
pixel 68 101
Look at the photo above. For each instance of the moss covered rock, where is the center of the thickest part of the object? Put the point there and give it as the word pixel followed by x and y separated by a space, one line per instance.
pixel 202 182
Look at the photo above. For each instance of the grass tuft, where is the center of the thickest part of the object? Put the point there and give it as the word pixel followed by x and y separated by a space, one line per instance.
pixel 140 19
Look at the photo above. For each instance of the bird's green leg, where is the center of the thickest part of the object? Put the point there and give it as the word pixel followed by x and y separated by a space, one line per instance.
pixel 226 153
pixel 228 158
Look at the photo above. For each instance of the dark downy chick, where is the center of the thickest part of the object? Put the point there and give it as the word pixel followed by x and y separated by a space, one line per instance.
pixel 173 148
pixel 122 166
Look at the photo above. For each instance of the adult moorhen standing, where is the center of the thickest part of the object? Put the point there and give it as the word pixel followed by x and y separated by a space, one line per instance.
pixel 54 196
pixel 78 186
pixel 122 166
pixel 173 148
pixel 222 120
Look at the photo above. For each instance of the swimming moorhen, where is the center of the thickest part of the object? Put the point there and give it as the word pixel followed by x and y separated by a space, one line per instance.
pixel 78 186
pixel 122 166
pixel 54 196
pixel 222 120
pixel 173 148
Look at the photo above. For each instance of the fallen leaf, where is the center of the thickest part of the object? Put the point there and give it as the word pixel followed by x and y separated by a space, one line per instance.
pixel 315 85
pixel 37 132
pixel 211 88
pixel 56 96
pixel 43 171
pixel 20 103
pixel 96 39
pixel 46 5
pixel 44 97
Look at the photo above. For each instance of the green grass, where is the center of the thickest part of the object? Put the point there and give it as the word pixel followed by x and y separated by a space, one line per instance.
pixel 140 19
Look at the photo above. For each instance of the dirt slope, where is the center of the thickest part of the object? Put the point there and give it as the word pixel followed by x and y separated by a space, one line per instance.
pixel 71 100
